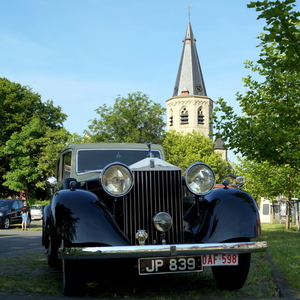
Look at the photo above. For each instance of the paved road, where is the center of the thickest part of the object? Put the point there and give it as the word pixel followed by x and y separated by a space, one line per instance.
pixel 14 242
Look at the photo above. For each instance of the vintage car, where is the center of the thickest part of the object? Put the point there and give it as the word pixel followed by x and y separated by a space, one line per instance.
pixel 124 202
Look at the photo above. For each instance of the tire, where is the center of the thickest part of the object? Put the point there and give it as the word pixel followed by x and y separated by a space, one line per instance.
pixel 51 250
pixel 74 278
pixel 233 277
pixel 6 223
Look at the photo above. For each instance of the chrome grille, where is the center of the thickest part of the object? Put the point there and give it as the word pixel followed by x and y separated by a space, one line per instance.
pixel 153 192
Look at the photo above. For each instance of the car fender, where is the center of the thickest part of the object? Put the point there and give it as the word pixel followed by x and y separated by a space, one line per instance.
pixel 224 214
pixel 45 222
pixel 80 217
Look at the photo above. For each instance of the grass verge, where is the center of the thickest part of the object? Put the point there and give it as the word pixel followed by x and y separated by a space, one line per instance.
pixel 30 274
pixel 283 246
pixel 33 227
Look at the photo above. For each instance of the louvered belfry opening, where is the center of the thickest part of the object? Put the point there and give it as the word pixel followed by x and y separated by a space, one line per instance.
pixel 154 192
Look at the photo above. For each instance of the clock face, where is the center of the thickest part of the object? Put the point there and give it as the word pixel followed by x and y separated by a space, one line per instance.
pixel 198 88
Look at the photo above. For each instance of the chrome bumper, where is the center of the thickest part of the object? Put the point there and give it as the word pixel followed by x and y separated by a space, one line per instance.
pixel 161 250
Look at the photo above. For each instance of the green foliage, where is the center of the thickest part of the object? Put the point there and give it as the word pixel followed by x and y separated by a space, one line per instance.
pixel 184 149
pixel 19 105
pixel 281 36
pixel 32 152
pixel 43 202
pixel 269 128
pixel 268 181
pixel 135 119
pixel 24 118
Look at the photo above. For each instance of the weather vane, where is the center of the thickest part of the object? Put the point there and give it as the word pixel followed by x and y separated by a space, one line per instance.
pixel 189 9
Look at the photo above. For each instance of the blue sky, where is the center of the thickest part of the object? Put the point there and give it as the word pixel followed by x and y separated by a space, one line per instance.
pixel 84 53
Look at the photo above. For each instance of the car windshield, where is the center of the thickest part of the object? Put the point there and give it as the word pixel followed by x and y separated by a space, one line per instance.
pixel 36 207
pixel 89 160
pixel 5 203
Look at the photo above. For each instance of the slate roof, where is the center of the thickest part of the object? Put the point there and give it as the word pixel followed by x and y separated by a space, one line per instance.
pixel 189 76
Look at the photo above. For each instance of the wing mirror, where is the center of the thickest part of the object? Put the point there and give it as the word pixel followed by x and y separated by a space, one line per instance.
pixel 52 182
pixel 240 181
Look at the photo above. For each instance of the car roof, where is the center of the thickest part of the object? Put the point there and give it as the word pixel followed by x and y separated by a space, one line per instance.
pixel 6 199
pixel 114 146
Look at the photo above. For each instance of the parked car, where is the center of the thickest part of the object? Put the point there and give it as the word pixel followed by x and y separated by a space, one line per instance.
pixel 11 212
pixel 125 203
pixel 36 211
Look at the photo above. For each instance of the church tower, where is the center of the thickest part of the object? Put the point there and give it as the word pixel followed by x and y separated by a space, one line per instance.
pixel 189 109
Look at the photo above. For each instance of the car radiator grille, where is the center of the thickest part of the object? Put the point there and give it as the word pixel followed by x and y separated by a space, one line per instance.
pixel 154 192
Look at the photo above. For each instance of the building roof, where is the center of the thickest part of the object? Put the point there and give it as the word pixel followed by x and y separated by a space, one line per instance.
pixel 189 77
pixel 219 144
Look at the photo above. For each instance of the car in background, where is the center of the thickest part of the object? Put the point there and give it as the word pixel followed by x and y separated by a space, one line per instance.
pixel 36 211
pixel 11 212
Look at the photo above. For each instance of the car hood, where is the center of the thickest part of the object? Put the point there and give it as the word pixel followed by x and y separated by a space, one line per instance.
pixel 4 209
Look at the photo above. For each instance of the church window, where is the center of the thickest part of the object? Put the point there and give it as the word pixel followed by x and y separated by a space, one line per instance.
pixel 184 117
pixel 200 116
pixel 171 119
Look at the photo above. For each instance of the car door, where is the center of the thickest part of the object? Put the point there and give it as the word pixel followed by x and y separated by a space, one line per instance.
pixel 15 212
pixel 19 211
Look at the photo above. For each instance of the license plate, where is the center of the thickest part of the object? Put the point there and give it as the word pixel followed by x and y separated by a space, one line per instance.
pixel 220 260
pixel 166 265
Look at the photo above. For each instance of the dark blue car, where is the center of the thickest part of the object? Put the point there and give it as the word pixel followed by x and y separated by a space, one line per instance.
pixel 11 212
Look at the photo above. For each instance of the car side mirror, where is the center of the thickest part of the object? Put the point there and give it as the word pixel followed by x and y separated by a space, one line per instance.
pixel 52 182
pixel 240 181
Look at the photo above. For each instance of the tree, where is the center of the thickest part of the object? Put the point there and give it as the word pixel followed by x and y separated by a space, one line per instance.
pixel 269 181
pixel 134 119
pixel 184 149
pixel 33 152
pixel 269 128
pixel 19 105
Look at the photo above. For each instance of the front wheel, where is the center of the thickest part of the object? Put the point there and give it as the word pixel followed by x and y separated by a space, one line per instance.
pixel 233 277
pixel 74 278
pixel 6 223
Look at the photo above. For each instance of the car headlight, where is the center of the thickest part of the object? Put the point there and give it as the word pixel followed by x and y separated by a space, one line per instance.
pixel 1 214
pixel 199 178
pixel 116 179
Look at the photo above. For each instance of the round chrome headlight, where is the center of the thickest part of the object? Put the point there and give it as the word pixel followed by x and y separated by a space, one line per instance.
pixel 116 179
pixel 162 221
pixel 199 178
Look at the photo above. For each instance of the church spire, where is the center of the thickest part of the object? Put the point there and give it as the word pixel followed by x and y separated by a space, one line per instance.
pixel 190 109
pixel 189 79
